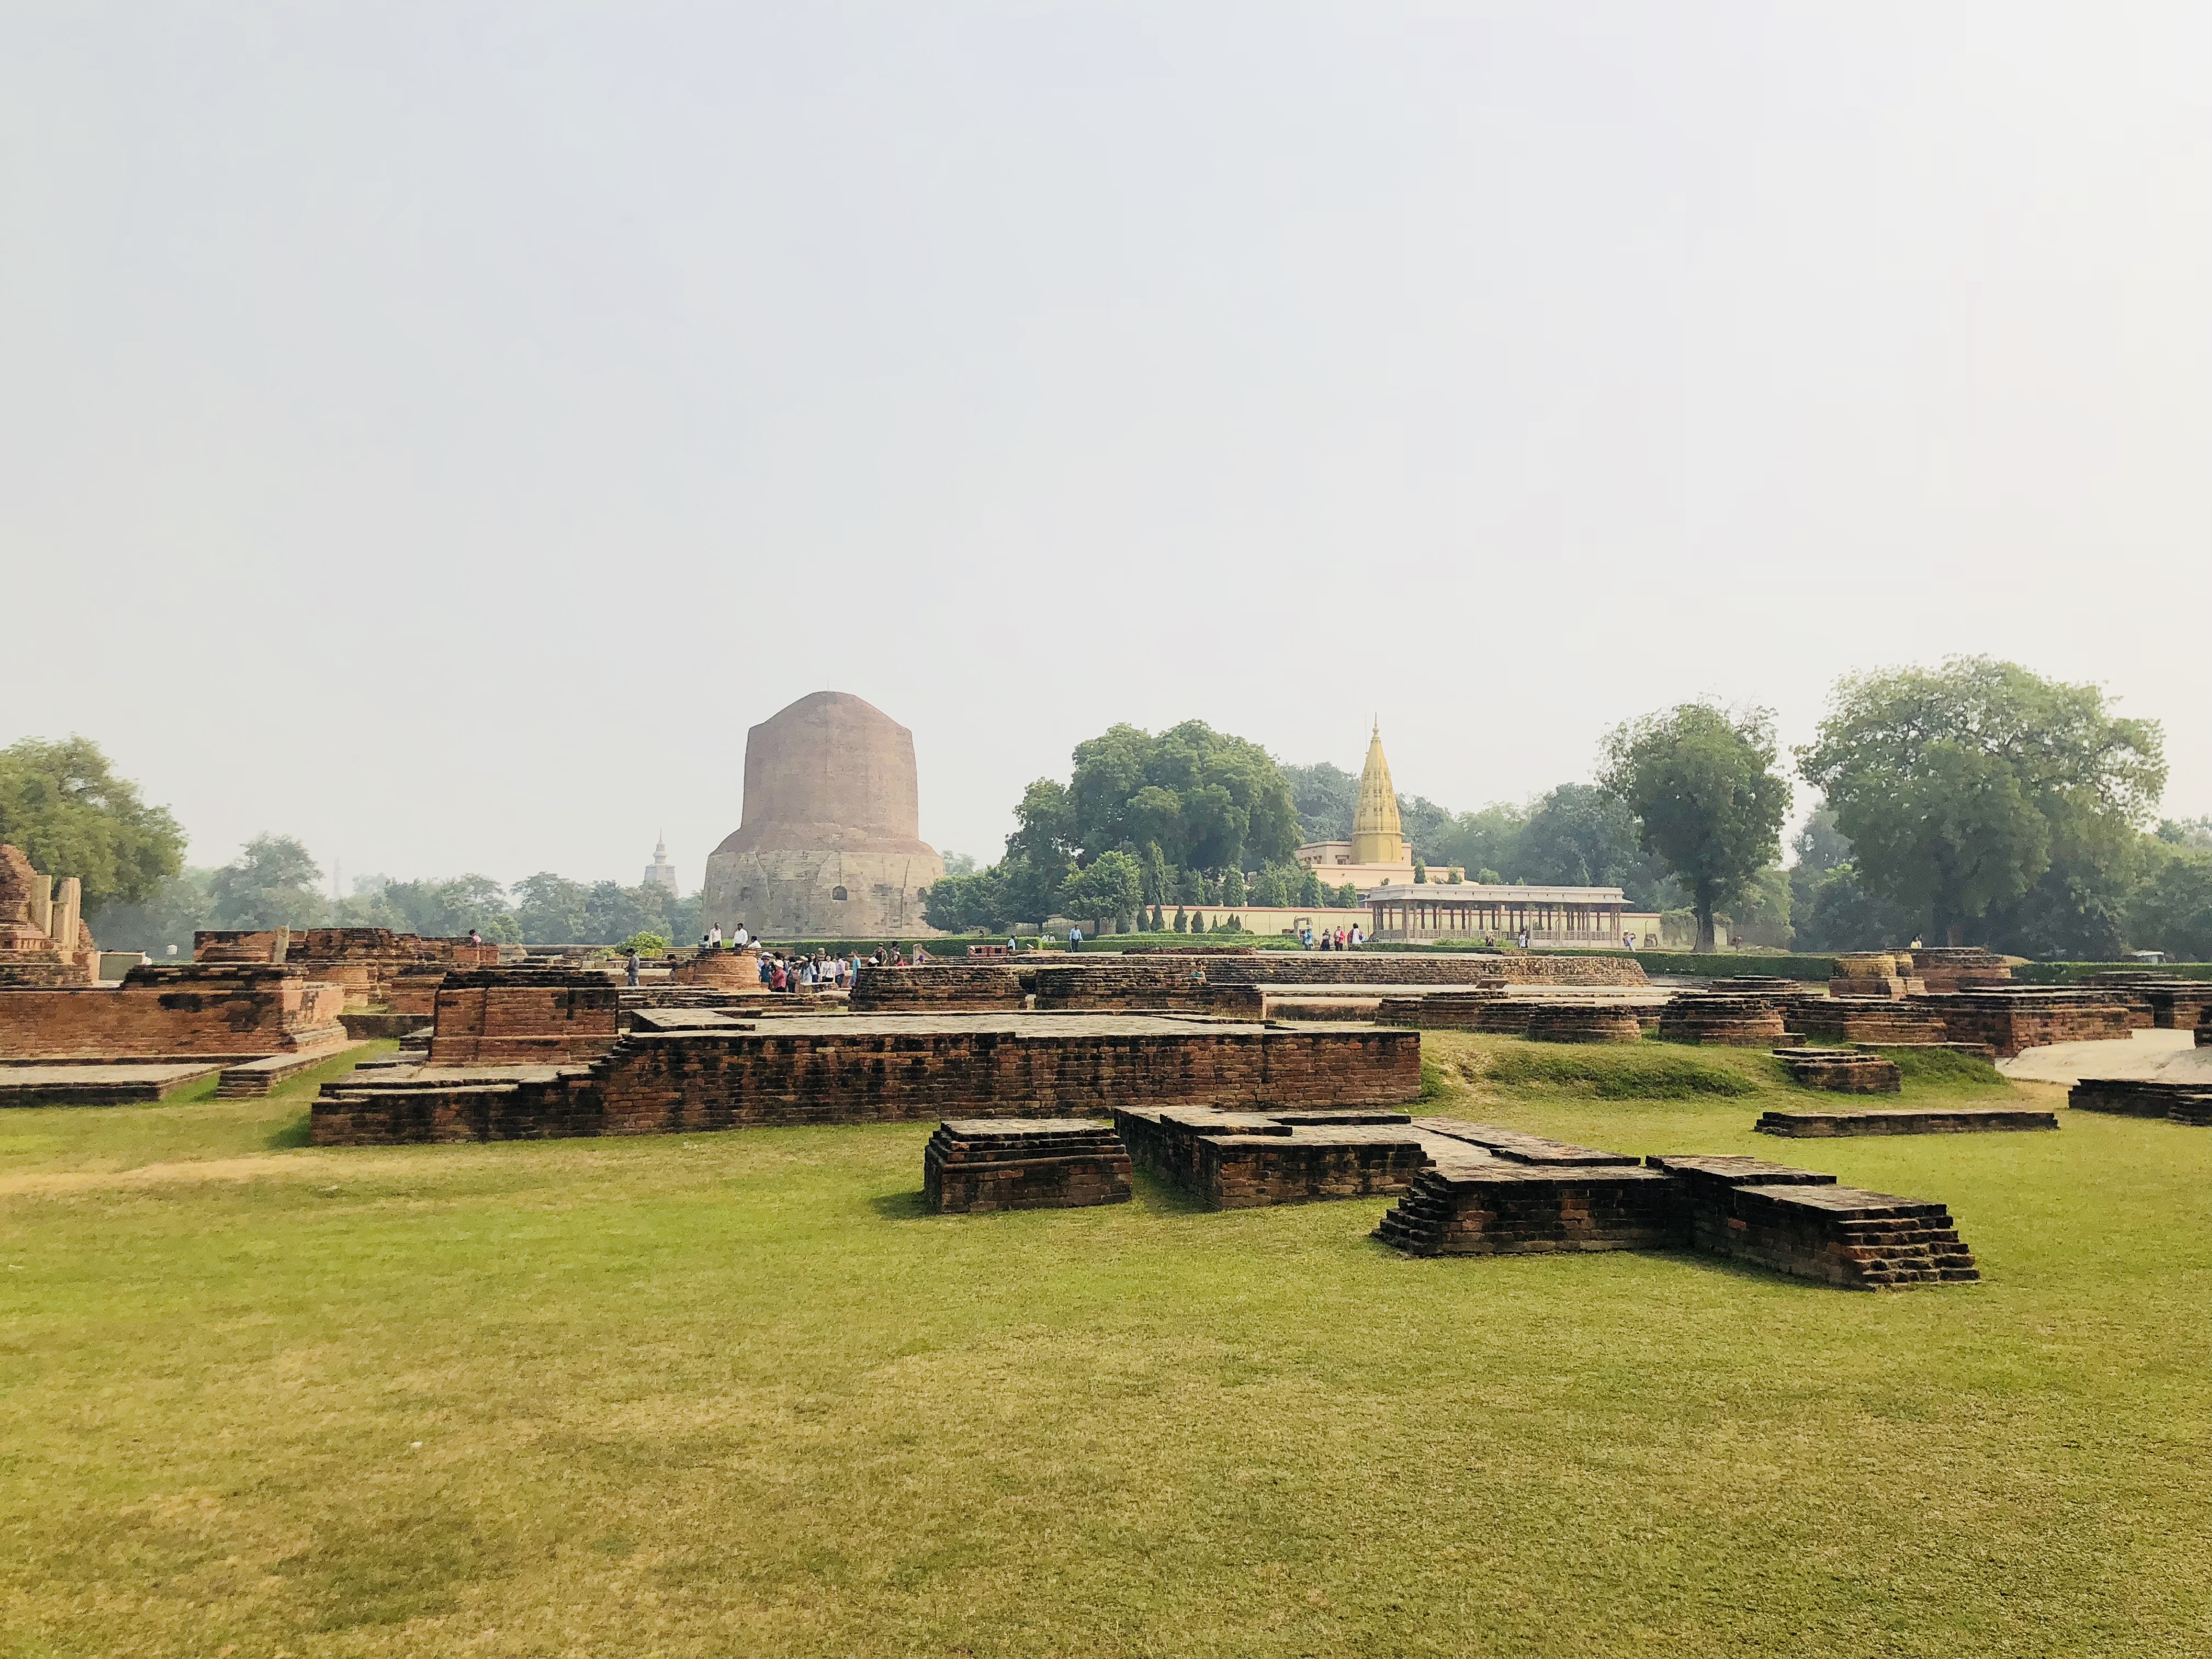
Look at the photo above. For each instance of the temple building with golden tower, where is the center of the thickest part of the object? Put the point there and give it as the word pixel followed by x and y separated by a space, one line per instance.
pixel 1378 853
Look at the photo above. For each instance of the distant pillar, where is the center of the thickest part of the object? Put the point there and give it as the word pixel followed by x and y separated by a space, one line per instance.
pixel 63 915
pixel 42 902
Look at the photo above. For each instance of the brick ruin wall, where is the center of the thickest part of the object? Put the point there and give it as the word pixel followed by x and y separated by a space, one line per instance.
pixel 720 1079
pixel 2012 1021
pixel 510 1017
pixel 241 1011
pixel 958 985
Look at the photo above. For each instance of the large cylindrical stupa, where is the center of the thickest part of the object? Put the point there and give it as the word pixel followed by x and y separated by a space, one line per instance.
pixel 830 846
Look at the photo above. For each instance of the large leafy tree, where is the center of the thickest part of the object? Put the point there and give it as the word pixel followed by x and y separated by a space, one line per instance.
pixel 1709 804
pixel 1830 908
pixel 1581 836
pixel 1961 788
pixel 62 804
pixel 1208 801
pixel 1185 807
pixel 1110 887
pixel 272 883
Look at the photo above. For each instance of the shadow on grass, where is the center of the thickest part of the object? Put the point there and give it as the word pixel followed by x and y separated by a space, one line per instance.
pixel 1149 1192
pixel 899 1207
pixel 286 1136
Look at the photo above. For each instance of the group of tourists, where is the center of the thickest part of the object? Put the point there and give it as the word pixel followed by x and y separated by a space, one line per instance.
pixel 711 938
pixel 1339 939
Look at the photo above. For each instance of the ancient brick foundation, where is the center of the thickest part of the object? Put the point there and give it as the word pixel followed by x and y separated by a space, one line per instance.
pixel 1739 1022
pixel 1903 1120
pixel 524 1015
pixel 1454 1010
pixel 1842 1072
pixel 1960 967
pixel 737 972
pixel 2183 1101
pixel 241 1012
pixel 1793 1221
pixel 1875 974
pixel 971 1165
pixel 1383 968
pixel 2010 1021
pixel 842 1069
pixel 1241 1160
pixel 1801 1223
pixel 975 987
pixel 1863 1019
pixel 1582 1021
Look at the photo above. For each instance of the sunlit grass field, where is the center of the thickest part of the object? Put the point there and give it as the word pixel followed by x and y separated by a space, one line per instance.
pixel 737 1394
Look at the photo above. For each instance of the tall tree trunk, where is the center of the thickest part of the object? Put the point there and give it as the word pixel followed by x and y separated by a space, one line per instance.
pixel 1706 926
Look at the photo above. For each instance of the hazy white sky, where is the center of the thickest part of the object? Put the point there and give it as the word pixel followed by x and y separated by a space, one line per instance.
pixel 440 431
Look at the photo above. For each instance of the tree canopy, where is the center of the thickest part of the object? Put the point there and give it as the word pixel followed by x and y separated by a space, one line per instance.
pixel 272 883
pixel 1702 784
pixel 1970 790
pixel 62 804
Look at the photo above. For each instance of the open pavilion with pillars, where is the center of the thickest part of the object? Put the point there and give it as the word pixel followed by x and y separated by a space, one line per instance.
pixel 1412 912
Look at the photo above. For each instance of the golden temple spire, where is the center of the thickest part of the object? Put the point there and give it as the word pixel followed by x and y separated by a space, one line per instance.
pixel 1377 837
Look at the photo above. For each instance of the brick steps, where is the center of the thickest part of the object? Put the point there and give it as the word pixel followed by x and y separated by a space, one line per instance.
pixel 971 1165
pixel 1793 1221
pixel 1842 1072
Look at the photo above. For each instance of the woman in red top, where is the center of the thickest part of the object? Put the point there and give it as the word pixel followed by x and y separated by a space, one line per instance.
pixel 775 979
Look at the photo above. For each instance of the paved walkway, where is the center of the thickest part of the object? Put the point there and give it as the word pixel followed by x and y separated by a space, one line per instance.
pixel 2173 1055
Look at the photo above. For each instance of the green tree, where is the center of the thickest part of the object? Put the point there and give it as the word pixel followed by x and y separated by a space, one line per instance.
pixel 1210 799
pixel 1182 921
pixel 1959 787
pixel 1326 799
pixel 1487 840
pixel 64 805
pixel 2171 909
pixel 273 883
pixel 1708 802
pixel 1159 882
pixel 1580 836
pixel 968 903
pixel 1110 888
pixel 449 907
pixel 162 922
pixel 1232 886
pixel 1420 871
pixel 548 909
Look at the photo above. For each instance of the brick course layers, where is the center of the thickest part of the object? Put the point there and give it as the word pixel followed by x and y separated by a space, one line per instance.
pixel 1960 967
pixel 845 1069
pixel 976 1165
pixel 523 1016
pixel 974 987
pixel 2010 1021
pixel 1178 982
pixel 1738 1022
pixel 2188 1102
pixel 229 1012
pixel 1801 1223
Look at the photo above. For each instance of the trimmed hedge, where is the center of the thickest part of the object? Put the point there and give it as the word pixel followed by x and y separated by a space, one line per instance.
pixel 2068 973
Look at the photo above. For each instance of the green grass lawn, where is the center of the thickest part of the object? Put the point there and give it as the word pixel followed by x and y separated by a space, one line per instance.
pixel 737 1394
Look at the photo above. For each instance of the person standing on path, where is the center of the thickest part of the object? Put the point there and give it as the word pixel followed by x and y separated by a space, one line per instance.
pixel 632 968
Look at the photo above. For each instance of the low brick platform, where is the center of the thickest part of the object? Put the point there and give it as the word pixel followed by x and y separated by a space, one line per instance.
pixel 97 1086
pixel 1737 1021
pixel 1841 1235
pixel 1448 1010
pixel 222 1012
pixel 976 1165
pixel 2011 1021
pixel 254 1078
pixel 1874 975
pixel 1490 1206
pixel 1864 1020
pixel 1582 1021
pixel 523 1016
pixel 1904 1121
pixel 1793 1221
pixel 853 1068
pixel 971 986
pixel 2182 1005
pixel 1842 1072
pixel 2180 1102
pixel 1960 967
